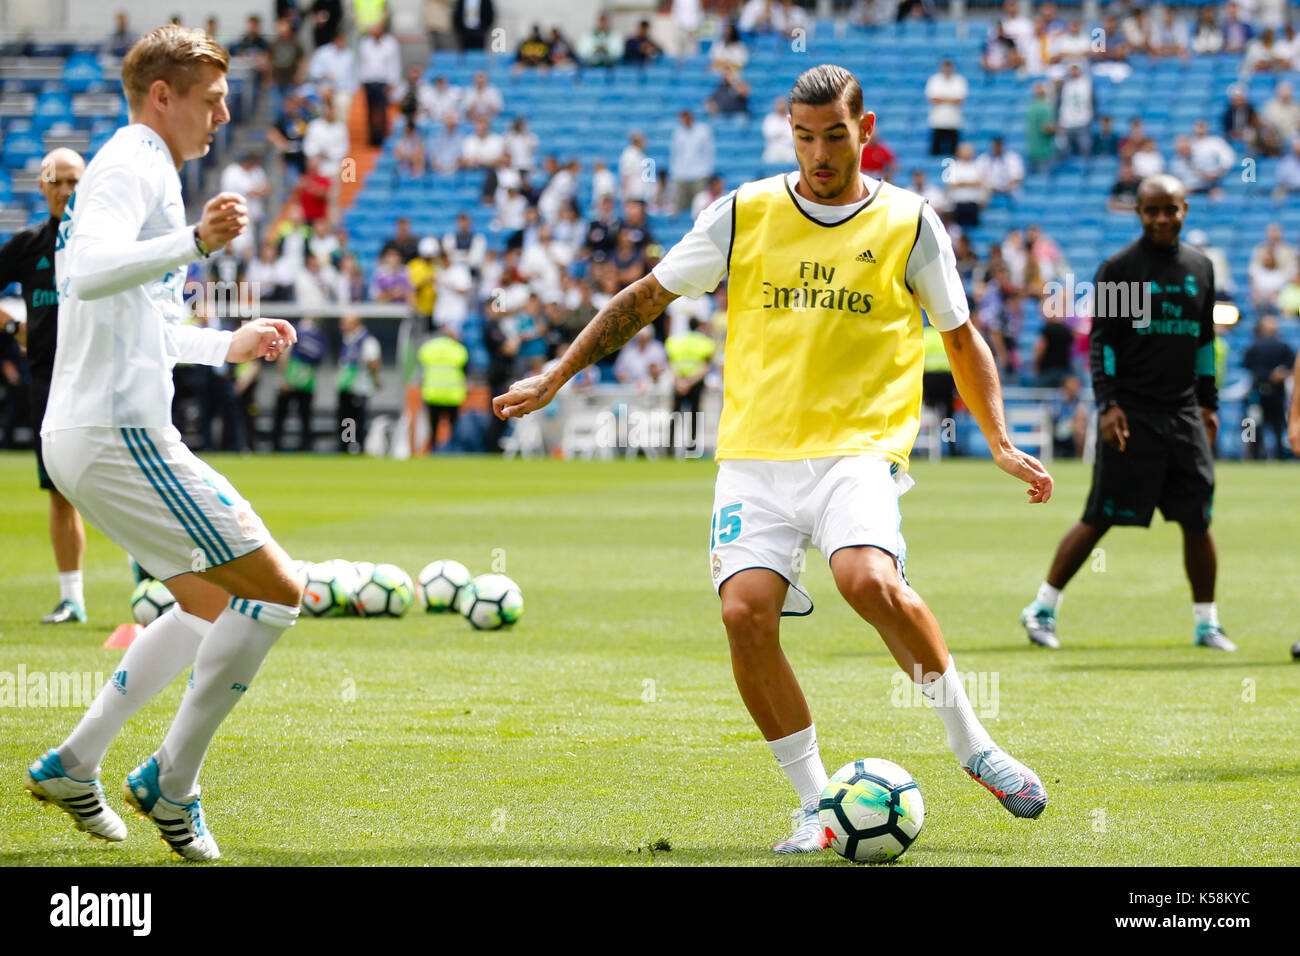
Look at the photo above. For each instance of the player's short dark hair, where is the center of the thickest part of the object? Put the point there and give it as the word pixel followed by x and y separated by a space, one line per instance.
pixel 825 84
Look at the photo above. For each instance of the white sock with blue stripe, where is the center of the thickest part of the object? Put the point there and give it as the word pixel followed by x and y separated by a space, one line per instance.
pixel 227 661
pixel 161 651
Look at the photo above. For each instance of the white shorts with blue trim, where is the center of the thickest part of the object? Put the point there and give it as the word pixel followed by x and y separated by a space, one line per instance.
pixel 766 513
pixel 145 490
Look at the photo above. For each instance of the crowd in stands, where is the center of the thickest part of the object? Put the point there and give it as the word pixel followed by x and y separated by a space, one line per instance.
pixel 553 257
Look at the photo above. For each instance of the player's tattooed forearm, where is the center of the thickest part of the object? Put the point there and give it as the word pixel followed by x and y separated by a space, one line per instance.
pixel 615 325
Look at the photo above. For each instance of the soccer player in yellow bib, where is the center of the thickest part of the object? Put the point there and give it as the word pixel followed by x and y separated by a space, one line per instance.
pixel 829 271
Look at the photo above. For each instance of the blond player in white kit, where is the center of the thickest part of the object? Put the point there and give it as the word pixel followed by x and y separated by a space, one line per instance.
pixel 120 256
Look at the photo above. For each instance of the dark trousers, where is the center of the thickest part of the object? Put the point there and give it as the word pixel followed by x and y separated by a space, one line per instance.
pixel 1273 407
pixel 352 422
pixel 377 112
pixel 436 414
pixel 966 214
pixel 943 142
pixel 284 403
pixel 499 379
pixel 685 408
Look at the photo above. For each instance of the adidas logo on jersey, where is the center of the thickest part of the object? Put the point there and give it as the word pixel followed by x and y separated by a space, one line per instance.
pixel 867 257
pixel 44 263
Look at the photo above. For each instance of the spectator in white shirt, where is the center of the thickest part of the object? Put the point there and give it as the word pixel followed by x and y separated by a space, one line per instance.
pixel 328 140
pixel 1212 157
pixel 335 65
pixel 512 210
pixel 1074 113
pixel 778 141
pixel 1184 169
pixel 248 178
pixel 378 68
pixel 483 101
pixel 443 100
pixel 636 175
pixel 691 159
pixel 1018 27
pixel 602 46
pixel 1001 169
pixel 1069 46
pixel 603 181
pixel 759 16
pixel 729 49
pixel 315 284
pixel 791 21
pixel 641 361
pixel 946 92
pixel 1283 252
pixel 1282 113
pixel 521 145
pixel 1266 281
pixel 1288 172
pixel 1208 38
pixel 1264 55
pixel 560 190
pixel 455 287
pixel 484 150
pixel 1147 160
pixel 967 191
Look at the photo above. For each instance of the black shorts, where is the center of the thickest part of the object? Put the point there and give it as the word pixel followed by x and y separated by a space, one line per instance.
pixel 1166 462
pixel 38 396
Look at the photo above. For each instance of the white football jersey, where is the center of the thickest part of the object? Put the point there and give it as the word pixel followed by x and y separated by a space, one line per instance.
pixel 120 262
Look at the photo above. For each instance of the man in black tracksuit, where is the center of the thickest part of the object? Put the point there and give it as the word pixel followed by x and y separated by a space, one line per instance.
pixel 1152 357
pixel 28 258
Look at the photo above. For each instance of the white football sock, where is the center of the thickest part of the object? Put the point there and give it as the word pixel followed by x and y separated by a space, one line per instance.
pixel 1049 596
pixel 1207 613
pixel 802 762
pixel 966 735
pixel 160 652
pixel 70 588
pixel 228 658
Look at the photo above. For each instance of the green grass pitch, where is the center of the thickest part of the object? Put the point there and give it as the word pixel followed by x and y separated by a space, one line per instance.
pixel 607 724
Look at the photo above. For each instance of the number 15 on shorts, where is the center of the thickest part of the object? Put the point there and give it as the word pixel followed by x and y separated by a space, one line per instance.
pixel 725 527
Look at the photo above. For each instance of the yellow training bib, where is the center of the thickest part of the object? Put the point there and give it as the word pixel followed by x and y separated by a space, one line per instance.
pixel 824 340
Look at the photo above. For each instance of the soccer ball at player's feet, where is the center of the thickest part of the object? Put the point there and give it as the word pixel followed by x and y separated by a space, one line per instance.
pixel 872 810
pixel 387 592
pixel 491 601
pixel 1295 651
pixel 439 585
pixel 150 601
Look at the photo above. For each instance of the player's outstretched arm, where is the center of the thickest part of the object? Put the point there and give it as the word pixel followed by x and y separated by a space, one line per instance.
pixel 977 382
pixel 609 330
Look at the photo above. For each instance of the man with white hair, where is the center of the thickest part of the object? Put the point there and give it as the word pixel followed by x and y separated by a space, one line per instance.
pixel 28 259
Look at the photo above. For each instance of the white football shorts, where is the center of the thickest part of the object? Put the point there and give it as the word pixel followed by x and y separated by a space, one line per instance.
pixel 766 513
pixel 145 490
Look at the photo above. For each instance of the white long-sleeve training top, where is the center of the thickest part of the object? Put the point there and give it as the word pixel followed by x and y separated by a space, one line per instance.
pixel 120 262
